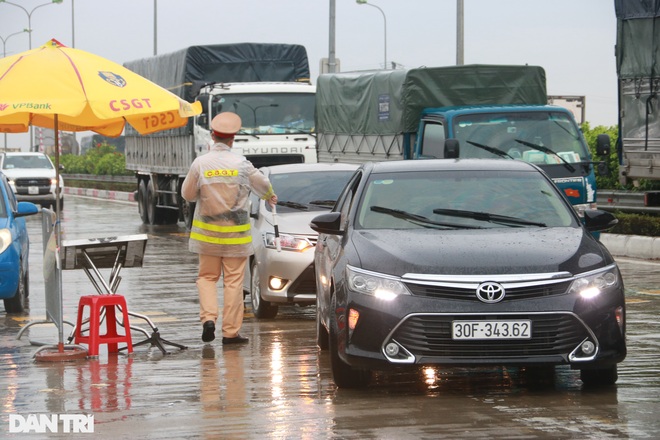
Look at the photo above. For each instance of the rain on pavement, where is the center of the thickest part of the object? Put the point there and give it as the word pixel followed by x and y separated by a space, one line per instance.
pixel 279 385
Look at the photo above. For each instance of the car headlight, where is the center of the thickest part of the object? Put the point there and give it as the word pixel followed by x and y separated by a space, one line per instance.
pixel 375 284
pixel 288 242
pixel 591 284
pixel 5 239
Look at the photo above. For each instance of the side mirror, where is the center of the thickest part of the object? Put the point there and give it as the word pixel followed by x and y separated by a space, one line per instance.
pixel 451 149
pixel 26 208
pixel 328 223
pixel 598 220
pixel 603 145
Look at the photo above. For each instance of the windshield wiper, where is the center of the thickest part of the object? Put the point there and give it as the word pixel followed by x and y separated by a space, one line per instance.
pixel 495 151
pixel 328 203
pixel 294 129
pixel 241 131
pixel 487 217
pixel 294 205
pixel 418 219
pixel 546 150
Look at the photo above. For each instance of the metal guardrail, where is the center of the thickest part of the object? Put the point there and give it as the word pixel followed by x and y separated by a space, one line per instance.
pixel 627 201
pixel 99 178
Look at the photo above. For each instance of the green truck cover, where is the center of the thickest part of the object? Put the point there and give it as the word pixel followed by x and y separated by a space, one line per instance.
pixel 239 62
pixel 390 101
pixel 638 38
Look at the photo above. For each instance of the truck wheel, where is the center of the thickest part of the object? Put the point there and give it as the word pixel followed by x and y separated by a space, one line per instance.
pixel 142 202
pixel 262 309
pixel 187 212
pixel 158 216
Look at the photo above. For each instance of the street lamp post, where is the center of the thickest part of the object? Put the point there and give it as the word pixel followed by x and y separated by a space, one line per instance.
pixel 29 16
pixel 364 2
pixel 4 54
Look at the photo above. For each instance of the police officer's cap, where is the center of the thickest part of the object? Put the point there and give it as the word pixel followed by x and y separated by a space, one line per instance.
pixel 226 124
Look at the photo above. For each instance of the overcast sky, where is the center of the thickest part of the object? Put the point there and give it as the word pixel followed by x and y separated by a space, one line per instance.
pixel 572 39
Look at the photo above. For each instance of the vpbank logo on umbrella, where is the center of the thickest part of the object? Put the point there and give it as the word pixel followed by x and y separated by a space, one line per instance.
pixel 113 78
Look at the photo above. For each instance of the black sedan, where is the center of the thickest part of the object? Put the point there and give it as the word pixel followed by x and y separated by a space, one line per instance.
pixel 464 262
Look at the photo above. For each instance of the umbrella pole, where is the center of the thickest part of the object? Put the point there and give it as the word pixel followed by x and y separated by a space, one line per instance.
pixel 57 230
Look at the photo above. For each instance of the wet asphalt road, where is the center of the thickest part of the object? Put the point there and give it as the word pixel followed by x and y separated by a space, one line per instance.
pixel 279 386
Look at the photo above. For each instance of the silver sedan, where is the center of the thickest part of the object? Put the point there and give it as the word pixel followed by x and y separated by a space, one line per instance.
pixel 286 277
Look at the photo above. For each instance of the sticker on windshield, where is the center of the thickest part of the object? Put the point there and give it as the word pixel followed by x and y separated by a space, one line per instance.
pixel 383 182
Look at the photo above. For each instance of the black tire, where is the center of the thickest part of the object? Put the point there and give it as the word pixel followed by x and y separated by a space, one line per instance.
pixel 17 303
pixel 262 309
pixel 599 376
pixel 343 374
pixel 159 216
pixel 142 202
pixel 187 212
pixel 321 332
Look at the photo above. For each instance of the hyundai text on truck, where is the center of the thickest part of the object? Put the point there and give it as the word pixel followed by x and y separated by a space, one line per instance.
pixel 471 111
pixel 267 85
pixel 638 71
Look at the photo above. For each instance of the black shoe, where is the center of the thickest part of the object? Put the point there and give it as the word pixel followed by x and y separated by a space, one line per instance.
pixel 235 340
pixel 209 331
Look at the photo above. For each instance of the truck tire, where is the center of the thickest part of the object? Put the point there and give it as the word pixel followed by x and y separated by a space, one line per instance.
pixel 187 212
pixel 156 215
pixel 142 202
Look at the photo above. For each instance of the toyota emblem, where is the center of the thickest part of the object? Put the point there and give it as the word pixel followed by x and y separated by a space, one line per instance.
pixel 490 292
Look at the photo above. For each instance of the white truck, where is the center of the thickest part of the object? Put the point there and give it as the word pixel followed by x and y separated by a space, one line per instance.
pixel 267 85
pixel 638 72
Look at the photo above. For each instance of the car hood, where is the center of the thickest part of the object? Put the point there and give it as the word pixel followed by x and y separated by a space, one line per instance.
pixel 474 252
pixel 294 222
pixel 15 173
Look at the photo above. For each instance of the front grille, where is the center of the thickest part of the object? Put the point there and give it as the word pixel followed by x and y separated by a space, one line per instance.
pixel 23 185
pixel 431 336
pixel 305 283
pixel 469 294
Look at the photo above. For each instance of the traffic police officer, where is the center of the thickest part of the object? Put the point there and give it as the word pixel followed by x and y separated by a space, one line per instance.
pixel 220 182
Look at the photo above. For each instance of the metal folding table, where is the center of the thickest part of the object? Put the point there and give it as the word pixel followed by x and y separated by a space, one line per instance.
pixel 112 253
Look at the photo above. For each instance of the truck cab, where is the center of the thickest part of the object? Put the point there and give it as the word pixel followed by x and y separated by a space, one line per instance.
pixel 546 136
pixel 278 120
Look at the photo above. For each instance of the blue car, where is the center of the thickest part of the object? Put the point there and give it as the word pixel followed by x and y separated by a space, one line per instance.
pixel 14 248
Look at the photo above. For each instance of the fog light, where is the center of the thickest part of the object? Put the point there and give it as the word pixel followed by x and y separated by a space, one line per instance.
pixel 620 318
pixel 353 316
pixel 392 349
pixel 276 283
pixel 588 348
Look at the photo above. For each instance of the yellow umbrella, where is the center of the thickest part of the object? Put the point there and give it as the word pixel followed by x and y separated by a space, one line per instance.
pixel 84 92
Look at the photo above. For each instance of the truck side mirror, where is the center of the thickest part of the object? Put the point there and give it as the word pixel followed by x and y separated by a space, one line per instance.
pixel 603 145
pixel 451 149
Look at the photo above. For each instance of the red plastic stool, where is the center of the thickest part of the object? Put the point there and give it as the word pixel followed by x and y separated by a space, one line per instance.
pixel 96 303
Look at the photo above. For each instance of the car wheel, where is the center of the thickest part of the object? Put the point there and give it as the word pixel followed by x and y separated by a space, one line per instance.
pixel 321 332
pixel 343 374
pixel 599 376
pixel 262 309
pixel 17 303
pixel 159 216
pixel 142 202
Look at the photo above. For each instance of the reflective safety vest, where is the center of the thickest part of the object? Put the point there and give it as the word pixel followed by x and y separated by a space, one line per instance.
pixel 220 183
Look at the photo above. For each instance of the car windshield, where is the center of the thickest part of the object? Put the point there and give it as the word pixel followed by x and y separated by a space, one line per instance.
pixel 308 191
pixel 461 200
pixel 27 161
